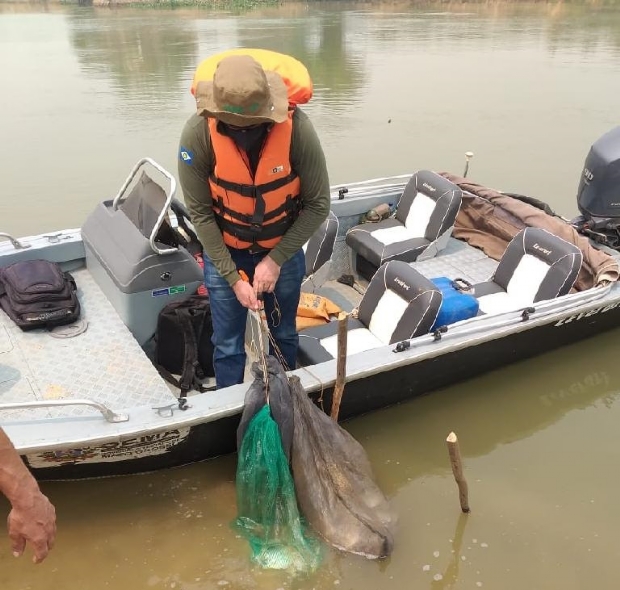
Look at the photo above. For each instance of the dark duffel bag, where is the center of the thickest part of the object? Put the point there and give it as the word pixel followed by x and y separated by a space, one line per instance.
pixel 183 342
pixel 38 294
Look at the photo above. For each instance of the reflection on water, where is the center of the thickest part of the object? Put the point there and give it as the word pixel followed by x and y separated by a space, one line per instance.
pixel 152 56
pixel 527 398
pixel 145 58
pixel 87 92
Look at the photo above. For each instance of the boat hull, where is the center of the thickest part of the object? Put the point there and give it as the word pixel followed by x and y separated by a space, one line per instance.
pixel 173 447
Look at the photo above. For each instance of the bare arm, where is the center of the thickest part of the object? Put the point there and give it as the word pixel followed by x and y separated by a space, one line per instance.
pixel 32 518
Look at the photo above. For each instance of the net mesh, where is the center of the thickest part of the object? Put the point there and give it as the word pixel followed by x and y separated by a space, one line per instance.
pixel 268 516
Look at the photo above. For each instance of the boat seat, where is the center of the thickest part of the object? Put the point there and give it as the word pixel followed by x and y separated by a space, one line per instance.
pixel 420 229
pixel 399 304
pixel 535 266
pixel 318 252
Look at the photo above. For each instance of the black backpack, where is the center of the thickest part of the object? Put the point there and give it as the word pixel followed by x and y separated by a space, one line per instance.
pixel 183 343
pixel 38 294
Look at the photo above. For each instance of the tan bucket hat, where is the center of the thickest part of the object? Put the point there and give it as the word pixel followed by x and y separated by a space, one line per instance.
pixel 242 93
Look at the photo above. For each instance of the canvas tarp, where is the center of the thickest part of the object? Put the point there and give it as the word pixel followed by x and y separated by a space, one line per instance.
pixel 489 219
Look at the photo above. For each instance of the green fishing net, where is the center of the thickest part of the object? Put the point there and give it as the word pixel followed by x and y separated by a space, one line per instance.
pixel 268 516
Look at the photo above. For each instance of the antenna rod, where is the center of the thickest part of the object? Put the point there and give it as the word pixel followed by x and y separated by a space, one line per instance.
pixel 468 157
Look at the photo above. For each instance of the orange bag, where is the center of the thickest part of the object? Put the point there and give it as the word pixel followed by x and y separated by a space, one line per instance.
pixel 315 310
pixel 293 72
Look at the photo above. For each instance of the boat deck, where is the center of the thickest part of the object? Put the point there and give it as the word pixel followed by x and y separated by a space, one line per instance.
pixel 458 260
pixel 104 363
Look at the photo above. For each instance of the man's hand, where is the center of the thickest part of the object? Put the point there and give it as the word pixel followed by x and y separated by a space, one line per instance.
pixel 246 295
pixel 32 520
pixel 266 276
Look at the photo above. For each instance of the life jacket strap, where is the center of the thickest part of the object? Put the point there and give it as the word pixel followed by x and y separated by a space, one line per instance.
pixel 248 233
pixel 248 190
pixel 291 207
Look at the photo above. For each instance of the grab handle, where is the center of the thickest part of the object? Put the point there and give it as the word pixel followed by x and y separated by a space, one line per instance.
pixel 14 241
pixel 108 414
pixel 462 285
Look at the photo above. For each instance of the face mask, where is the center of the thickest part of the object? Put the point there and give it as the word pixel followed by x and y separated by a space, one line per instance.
pixel 248 138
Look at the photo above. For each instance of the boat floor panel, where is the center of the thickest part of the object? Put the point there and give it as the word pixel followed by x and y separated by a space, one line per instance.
pixel 344 296
pixel 104 363
pixel 457 260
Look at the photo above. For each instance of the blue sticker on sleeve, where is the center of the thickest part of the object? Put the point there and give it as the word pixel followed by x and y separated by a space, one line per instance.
pixel 186 156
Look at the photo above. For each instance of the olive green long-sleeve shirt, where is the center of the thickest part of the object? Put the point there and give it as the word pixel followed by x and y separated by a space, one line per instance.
pixel 196 165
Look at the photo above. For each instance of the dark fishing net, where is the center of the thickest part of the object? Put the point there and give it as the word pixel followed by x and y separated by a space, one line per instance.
pixel 332 482
pixel 268 516
pixel 336 490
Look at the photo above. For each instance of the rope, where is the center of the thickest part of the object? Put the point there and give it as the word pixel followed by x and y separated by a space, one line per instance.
pixel 320 399
pixel 258 328
pixel 276 314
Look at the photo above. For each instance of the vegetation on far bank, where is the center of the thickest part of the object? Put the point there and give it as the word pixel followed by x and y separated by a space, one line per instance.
pixel 231 3
pixel 250 4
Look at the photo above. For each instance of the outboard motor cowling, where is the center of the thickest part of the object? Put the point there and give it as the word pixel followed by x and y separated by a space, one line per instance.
pixel 598 197
pixel 599 187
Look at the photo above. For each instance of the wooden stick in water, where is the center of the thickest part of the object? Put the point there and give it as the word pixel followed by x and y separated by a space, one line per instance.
pixel 457 469
pixel 341 365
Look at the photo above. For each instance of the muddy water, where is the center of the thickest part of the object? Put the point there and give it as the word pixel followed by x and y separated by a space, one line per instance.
pixel 87 92
pixel 538 440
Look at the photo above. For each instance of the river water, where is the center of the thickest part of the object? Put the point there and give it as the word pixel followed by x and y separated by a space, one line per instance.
pixel 87 92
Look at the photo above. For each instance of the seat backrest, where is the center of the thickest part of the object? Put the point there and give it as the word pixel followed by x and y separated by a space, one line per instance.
pixel 538 265
pixel 429 205
pixel 320 247
pixel 399 303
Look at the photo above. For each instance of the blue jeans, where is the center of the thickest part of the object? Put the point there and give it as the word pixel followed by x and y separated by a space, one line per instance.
pixel 230 317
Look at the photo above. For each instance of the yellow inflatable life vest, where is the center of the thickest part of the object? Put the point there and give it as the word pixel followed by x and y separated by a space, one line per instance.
pixel 293 72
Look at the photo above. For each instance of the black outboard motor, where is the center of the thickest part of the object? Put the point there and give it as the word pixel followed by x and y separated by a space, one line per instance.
pixel 598 197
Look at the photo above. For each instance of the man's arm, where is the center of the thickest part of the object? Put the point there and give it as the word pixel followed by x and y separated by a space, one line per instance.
pixel 32 518
pixel 308 161
pixel 195 166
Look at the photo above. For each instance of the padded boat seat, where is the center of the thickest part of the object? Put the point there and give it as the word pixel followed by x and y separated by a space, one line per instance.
pixel 399 304
pixel 421 227
pixel 536 265
pixel 318 252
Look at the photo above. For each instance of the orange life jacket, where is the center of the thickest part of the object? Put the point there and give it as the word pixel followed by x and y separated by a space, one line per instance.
pixel 254 211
